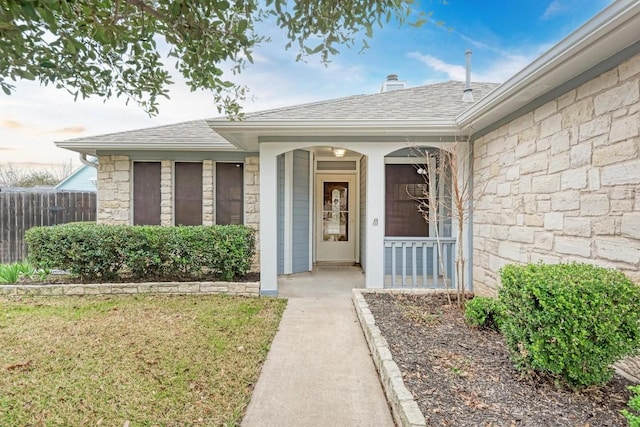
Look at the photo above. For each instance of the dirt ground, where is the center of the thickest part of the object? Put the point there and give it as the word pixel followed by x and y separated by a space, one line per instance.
pixel 462 376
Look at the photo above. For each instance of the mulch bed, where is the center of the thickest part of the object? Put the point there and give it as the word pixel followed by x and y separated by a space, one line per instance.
pixel 461 376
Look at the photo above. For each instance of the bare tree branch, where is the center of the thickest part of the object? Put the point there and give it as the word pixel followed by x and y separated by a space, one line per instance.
pixel 456 206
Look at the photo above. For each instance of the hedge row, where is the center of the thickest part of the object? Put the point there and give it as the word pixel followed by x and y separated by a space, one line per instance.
pixel 103 252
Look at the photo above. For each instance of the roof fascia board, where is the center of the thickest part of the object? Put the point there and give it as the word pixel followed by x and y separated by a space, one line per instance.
pixel 182 156
pixel 248 135
pixel 370 139
pixel 92 147
pixel 584 40
pixel 283 125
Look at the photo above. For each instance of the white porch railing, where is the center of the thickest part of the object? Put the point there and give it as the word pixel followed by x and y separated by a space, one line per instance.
pixel 413 262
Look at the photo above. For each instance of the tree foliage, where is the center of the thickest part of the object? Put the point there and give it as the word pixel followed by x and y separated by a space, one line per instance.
pixel 111 48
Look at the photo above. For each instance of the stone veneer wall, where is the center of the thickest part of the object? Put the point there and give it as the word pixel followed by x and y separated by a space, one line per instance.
pixel 249 289
pixel 114 193
pixel 208 213
pixel 114 190
pixel 252 202
pixel 562 183
pixel 166 192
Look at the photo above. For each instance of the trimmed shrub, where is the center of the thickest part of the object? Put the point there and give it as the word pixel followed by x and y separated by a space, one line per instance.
pixel 103 252
pixel 633 416
pixel 572 321
pixel 484 312
pixel 87 250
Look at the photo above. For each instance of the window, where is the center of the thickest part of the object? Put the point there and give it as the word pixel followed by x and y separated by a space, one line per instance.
pixel 146 193
pixel 229 194
pixel 403 186
pixel 188 193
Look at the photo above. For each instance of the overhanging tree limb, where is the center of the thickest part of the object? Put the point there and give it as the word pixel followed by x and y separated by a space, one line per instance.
pixel 108 47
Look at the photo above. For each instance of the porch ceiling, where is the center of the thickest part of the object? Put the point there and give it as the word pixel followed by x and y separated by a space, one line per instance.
pixel 327 152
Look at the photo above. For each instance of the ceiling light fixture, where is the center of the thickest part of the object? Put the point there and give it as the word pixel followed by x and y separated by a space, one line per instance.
pixel 339 152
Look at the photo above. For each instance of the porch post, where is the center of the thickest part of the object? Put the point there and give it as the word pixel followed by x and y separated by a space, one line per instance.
pixel 374 278
pixel 466 177
pixel 268 221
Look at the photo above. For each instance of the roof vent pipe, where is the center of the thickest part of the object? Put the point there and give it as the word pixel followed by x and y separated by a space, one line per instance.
pixel 467 96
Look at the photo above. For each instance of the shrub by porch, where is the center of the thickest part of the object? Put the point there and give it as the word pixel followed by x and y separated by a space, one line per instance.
pixel 104 252
pixel 571 321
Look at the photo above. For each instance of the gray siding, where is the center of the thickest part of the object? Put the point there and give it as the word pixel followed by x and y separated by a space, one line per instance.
pixel 363 212
pixel 301 214
pixel 280 207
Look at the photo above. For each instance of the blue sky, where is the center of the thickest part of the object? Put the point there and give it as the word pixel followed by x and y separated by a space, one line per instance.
pixel 504 36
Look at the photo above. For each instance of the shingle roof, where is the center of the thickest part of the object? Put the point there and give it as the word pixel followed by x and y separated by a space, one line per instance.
pixel 195 131
pixel 435 101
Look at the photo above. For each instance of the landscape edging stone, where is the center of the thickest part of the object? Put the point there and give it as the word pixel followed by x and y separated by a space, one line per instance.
pixel 404 408
pixel 249 289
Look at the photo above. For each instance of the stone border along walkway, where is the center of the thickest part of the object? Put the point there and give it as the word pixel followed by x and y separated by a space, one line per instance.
pixel 404 408
pixel 249 289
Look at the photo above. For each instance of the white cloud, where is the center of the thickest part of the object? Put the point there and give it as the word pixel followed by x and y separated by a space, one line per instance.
pixel 500 70
pixel 453 71
pixel 503 66
pixel 70 130
pixel 556 7
pixel 503 62
pixel 12 124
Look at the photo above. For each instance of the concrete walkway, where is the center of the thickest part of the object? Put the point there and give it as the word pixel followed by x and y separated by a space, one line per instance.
pixel 319 372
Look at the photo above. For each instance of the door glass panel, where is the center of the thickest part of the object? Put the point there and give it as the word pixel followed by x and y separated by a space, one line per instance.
pixel 335 212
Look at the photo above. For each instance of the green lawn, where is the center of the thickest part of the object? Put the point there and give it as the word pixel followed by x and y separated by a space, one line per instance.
pixel 138 360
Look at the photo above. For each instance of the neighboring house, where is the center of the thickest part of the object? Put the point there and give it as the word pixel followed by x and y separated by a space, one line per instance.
pixel 555 151
pixel 84 178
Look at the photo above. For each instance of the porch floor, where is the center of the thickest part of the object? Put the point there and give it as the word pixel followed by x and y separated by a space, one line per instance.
pixel 318 371
pixel 325 281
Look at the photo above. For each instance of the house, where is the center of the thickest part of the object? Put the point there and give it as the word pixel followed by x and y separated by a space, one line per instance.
pixel 554 153
pixel 82 179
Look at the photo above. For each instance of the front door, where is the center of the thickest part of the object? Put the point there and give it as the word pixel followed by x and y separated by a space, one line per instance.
pixel 335 218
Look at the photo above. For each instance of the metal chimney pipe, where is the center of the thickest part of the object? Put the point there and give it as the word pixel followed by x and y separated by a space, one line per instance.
pixel 467 96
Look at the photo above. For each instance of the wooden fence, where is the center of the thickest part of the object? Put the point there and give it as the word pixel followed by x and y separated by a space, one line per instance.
pixel 19 211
